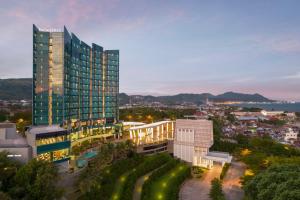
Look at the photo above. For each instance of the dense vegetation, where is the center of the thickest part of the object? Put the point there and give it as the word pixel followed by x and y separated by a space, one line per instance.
pixel 279 182
pixel 275 122
pixel 260 154
pixel 149 115
pixel 35 180
pixel 102 173
pixel 216 192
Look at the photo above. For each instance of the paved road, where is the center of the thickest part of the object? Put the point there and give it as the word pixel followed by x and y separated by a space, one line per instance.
pixel 231 183
pixel 198 189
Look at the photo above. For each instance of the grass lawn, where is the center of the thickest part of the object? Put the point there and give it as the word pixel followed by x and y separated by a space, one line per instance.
pixel 119 186
pixel 168 185
pixel 125 184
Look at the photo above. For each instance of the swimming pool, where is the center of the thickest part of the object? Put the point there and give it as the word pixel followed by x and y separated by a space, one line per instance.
pixel 90 154
pixel 82 161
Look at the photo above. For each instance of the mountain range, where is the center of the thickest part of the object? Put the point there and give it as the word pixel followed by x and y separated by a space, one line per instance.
pixel 192 98
pixel 18 89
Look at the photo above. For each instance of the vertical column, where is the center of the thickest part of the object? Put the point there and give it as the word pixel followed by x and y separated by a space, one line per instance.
pixel 103 83
pixel 50 80
pixel 91 85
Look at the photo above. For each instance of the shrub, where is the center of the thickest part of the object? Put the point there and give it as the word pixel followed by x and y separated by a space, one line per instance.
pixel 216 192
pixel 224 170
pixel 197 171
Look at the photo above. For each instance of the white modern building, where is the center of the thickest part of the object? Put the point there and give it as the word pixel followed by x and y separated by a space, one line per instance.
pixel 290 135
pixel 192 141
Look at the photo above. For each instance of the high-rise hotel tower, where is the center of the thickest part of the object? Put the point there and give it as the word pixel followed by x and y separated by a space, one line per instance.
pixel 73 83
pixel 75 94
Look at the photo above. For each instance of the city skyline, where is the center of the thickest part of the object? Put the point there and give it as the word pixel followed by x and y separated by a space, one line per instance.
pixel 172 47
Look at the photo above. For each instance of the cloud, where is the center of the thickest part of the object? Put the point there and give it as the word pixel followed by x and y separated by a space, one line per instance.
pixel 281 44
pixel 292 76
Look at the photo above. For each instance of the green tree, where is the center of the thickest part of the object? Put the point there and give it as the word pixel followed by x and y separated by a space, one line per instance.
pixel 37 180
pixel 278 182
pixel 8 169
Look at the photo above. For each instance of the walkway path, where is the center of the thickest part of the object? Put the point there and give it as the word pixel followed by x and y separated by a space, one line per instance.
pixel 231 183
pixel 198 189
pixel 139 186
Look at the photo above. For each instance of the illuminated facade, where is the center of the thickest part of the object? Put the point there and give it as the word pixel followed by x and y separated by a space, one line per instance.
pixel 152 133
pixel 73 82
pixel 192 140
pixel 76 87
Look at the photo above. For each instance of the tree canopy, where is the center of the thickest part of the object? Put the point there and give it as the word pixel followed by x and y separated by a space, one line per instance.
pixel 34 180
pixel 278 182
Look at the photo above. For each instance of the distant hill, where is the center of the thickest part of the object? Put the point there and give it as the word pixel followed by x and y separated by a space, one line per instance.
pixel 18 89
pixel 192 98
pixel 15 89
pixel 232 96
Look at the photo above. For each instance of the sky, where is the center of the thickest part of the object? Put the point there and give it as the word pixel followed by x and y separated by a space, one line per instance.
pixel 168 46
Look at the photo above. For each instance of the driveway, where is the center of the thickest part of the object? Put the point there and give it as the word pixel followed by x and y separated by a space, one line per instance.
pixel 198 189
pixel 231 183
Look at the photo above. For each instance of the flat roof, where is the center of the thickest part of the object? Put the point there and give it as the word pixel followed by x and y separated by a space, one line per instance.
pixel 13 143
pixel 7 125
pixel 152 125
pixel 133 123
pixel 45 129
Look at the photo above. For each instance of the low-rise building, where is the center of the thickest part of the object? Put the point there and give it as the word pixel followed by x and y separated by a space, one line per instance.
pixel 290 135
pixel 271 113
pixel 50 143
pixel 192 141
pixel 154 137
pixel 13 143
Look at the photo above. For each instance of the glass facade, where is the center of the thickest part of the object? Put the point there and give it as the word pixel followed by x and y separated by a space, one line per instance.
pixel 111 84
pixel 73 83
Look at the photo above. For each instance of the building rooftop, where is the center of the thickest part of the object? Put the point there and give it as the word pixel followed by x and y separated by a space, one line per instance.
pixel 149 125
pixel 133 123
pixel 45 129
pixel 10 143
pixel 7 125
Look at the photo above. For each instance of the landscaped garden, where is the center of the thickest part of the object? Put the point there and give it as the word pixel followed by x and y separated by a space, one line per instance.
pixel 165 182
pixel 113 174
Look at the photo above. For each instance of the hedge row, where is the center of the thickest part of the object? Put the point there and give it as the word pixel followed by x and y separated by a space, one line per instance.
pixel 224 170
pixel 173 190
pixel 109 176
pixel 150 164
pixel 156 175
